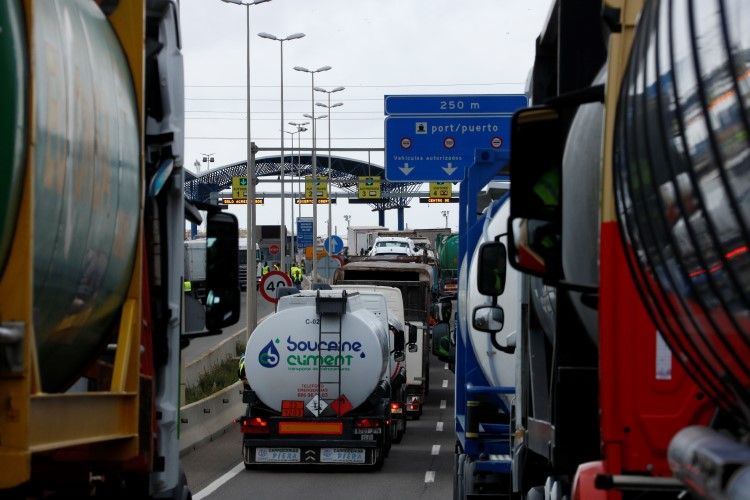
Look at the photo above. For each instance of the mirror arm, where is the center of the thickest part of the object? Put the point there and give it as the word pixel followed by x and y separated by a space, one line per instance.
pixel 576 287
pixel 191 213
pixel 595 93
pixel 502 348
pixel 204 333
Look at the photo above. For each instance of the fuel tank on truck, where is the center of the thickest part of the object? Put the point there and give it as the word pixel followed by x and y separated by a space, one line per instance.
pixel 582 161
pixel 498 367
pixel 282 357
pixel 86 167
pixel 13 121
pixel 682 182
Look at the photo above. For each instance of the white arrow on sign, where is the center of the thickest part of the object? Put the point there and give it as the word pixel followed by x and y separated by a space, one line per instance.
pixel 450 169
pixel 406 169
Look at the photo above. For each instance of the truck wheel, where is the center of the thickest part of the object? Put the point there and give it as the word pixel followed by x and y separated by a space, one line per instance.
pixel 458 476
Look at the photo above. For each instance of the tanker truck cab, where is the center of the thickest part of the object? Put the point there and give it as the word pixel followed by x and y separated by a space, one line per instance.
pixel 320 387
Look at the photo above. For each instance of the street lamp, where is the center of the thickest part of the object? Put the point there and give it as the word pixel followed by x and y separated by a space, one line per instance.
pixel 347 218
pixel 282 163
pixel 252 272
pixel 329 106
pixel 314 160
pixel 445 214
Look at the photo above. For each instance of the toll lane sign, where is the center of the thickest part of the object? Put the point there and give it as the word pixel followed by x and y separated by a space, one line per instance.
pixel 441 190
pixel 439 148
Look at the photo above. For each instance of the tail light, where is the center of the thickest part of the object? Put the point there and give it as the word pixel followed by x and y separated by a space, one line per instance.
pixel 367 423
pixel 253 425
pixel 397 408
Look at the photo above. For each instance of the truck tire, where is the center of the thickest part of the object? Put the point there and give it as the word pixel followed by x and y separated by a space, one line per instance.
pixel 458 476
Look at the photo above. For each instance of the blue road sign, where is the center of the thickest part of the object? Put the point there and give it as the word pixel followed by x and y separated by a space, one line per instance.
pixel 304 232
pixel 439 148
pixel 453 104
pixel 336 242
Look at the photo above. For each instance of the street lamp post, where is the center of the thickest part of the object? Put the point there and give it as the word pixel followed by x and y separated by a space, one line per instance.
pixel 445 214
pixel 315 194
pixel 329 106
pixel 252 275
pixel 282 163
pixel 314 161
pixel 347 218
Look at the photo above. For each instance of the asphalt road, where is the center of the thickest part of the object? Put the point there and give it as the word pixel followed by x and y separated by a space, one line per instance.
pixel 421 466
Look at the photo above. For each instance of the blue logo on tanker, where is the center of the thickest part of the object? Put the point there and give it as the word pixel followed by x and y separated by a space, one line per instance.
pixel 269 356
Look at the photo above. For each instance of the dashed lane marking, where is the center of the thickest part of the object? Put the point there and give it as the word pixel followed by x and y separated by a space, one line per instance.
pixel 446 366
pixel 443 404
pixel 436 449
pixel 439 427
pixel 445 383
pixel 429 476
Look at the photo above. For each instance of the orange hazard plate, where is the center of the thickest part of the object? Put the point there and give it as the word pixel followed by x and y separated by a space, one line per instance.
pixel 311 428
pixel 292 408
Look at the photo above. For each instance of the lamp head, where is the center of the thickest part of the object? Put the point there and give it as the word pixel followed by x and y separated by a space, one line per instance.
pixel 267 35
pixel 323 68
pixel 295 36
pixel 300 68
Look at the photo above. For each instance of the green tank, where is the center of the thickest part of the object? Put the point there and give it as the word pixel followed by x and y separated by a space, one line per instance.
pixel 447 261
pixel 13 122
pixel 86 163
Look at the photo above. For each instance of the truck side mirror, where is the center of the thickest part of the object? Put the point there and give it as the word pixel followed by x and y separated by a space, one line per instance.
pixel 491 270
pixel 536 198
pixel 412 336
pixel 222 270
pixel 398 340
pixel 488 319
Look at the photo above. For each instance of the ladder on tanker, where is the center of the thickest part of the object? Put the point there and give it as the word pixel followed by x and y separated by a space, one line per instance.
pixel 330 310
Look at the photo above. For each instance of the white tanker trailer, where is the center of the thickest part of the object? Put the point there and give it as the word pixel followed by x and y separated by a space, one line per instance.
pixel 319 385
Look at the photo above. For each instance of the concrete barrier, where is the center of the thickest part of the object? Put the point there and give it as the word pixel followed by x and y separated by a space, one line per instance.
pixel 208 418
pixel 204 420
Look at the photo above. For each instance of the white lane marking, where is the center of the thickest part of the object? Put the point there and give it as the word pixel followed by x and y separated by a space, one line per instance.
pixel 436 449
pixel 219 482
pixel 439 427
pixel 443 404
pixel 446 366
pixel 445 383
pixel 429 476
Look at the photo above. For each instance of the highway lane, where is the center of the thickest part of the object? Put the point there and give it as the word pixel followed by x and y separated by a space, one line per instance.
pixel 421 466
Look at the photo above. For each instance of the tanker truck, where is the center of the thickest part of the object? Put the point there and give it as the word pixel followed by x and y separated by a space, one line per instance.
pixel 485 364
pixel 92 218
pixel 415 282
pixel 634 350
pixel 319 382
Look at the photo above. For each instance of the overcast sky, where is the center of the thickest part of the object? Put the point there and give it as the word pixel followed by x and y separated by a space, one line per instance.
pixel 375 47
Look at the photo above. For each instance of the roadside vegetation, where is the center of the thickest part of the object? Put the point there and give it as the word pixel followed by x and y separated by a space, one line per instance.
pixel 219 377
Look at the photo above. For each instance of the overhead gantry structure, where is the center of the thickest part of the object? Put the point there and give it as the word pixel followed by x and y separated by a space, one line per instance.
pixel 345 173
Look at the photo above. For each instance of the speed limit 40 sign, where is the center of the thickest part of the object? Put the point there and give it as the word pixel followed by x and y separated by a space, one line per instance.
pixel 271 282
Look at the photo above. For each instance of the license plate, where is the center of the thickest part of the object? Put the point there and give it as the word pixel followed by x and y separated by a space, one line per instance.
pixel 342 455
pixel 274 455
